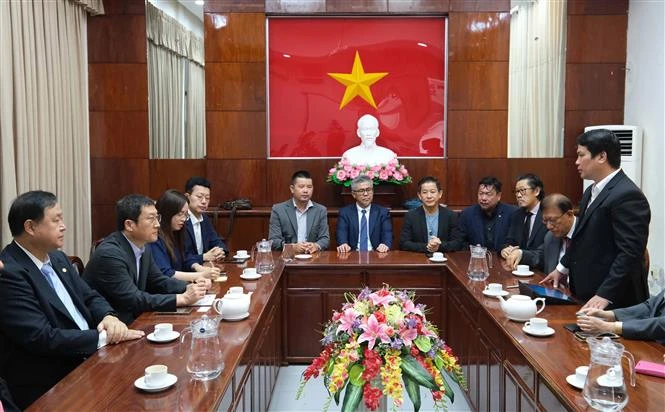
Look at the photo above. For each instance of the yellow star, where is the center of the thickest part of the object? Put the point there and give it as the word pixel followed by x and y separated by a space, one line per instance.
pixel 357 83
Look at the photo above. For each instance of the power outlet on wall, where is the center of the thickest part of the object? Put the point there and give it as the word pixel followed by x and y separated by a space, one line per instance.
pixel 656 279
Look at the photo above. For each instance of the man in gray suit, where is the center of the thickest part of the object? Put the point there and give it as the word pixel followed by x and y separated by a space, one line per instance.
pixel 299 220
pixel 560 221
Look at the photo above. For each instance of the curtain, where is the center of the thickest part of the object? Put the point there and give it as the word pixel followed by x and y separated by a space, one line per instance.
pixel 196 131
pixel 44 109
pixel 536 79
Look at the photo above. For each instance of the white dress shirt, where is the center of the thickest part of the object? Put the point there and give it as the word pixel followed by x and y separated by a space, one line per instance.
pixel 196 225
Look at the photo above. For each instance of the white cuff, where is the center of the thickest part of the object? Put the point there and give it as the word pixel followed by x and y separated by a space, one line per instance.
pixel 562 269
pixel 101 342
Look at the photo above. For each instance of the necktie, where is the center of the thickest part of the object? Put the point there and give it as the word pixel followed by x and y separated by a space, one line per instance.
pixel 525 231
pixel 566 243
pixel 363 231
pixel 63 295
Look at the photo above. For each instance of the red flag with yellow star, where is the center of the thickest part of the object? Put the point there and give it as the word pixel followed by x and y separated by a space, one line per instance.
pixel 324 73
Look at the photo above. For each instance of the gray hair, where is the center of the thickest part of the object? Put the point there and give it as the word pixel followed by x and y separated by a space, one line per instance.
pixel 359 180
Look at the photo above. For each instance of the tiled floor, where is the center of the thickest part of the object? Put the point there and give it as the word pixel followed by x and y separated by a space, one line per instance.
pixel 314 395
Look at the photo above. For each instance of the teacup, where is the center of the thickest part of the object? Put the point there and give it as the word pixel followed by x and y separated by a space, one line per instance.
pixel 494 288
pixel 155 375
pixel 242 253
pixel 523 268
pixel 251 272
pixel 437 256
pixel 581 373
pixel 236 289
pixel 536 325
pixel 163 330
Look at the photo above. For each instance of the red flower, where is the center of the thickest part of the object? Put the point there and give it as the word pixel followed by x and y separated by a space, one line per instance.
pixel 372 364
pixel 372 396
pixel 380 316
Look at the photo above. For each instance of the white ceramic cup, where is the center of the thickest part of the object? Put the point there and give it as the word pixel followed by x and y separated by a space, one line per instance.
pixel 236 289
pixel 249 272
pixel 581 373
pixel 537 324
pixel 494 288
pixel 163 330
pixel 242 253
pixel 437 256
pixel 523 268
pixel 155 375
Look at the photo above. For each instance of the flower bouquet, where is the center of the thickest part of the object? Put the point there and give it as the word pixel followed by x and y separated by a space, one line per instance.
pixel 383 335
pixel 344 172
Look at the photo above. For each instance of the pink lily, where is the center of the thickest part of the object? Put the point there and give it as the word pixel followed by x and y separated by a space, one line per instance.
pixel 407 335
pixel 379 300
pixel 346 321
pixel 409 307
pixel 373 330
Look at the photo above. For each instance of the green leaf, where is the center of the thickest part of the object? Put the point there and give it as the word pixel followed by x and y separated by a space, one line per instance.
pixel 355 375
pixel 336 396
pixel 415 371
pixel 449 391
pixel 352 398
pixel 438 361
pixel 423 343
pixel 413 390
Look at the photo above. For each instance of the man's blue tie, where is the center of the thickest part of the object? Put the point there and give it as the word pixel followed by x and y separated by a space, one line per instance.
pixel 363 231
pixel 63 295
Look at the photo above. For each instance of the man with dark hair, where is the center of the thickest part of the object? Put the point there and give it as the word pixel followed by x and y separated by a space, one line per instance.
pixel 604 262
pixel 299 220
pixel 123 271
pixel 559 218
pixel 202 243
pixel 363 225
pixel 50 319
pixel 527 231
pixel 487 222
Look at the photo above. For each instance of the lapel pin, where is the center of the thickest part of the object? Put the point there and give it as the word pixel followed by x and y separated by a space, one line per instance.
pixel 64 270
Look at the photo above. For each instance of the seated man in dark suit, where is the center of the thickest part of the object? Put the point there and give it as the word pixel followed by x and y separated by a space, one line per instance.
pixel 560 221
pixel 487 222
pixel 50 319
pixel 202 243
pixel 363 225
pixel 123 271
pixel 527 231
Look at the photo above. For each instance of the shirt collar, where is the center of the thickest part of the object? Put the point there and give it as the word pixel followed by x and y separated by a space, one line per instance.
pixel 598 187
pixel 535 209
pixel 360 209
pixel 309 204
pixel 138 252
pixel 193 218
pixel 569 235
pixel 34 259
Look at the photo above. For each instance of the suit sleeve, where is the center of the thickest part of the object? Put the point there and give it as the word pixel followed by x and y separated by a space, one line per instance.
pixel 213 239
pixel 275 230
pixel 534 257
pixel 406 237
pixel 159 283
pixel 23 321
pixel 386 228
pixel 191 253
pixel 161 257
pixel 455 239
pixel 630 217
pixel 323 232
pixel 644 321
pixel 343 225
pixel 512 239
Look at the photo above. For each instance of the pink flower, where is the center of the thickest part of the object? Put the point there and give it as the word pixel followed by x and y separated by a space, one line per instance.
pixel 383 175
pixel 346 321
pixel 332 171
pixel 398 176
pixel 370 174
pixel 380 299
pixel 354 173
pixel 403 171
pixel 393 162
pixel 373 330
pixel 390 169
pixel 409 307
pixel 344 162
pixel 348 167
pixel 341 175
pixel 407 335
pixel 376 168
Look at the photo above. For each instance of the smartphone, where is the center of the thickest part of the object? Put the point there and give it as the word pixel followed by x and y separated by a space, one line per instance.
pixel 582 336
pixel 179 311
pixel 572 327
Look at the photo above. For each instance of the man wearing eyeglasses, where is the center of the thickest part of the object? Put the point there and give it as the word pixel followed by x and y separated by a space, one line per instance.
pixel 202 243
pixel 560 220
pixel 123 271
pixel 527 231
pixel 364 226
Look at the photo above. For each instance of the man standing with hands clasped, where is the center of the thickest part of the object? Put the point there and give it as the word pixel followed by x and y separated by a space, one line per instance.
pixel 604 262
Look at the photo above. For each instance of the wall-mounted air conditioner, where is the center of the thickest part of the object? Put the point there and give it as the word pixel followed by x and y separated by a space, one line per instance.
pixel 630 138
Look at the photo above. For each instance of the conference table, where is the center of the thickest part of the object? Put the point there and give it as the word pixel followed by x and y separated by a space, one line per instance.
pixel 505 368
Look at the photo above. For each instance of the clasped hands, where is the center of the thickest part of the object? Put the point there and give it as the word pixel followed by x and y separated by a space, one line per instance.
pixel 345 248
pixel 117 331
pixel 433 244
pixel 306 247
pixel 214 254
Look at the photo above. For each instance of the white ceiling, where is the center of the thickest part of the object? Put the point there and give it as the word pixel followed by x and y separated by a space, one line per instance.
pixel 193 7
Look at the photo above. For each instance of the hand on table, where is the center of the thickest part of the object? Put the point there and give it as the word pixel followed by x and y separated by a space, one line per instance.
pixel 117 331
pixel 594 325
pixel 382 248
pixel 433 244
pixel 216 253
pixel 555 277
pixel 193 293
pixel 596 302
pixel 514 258
pixel 505 252
pixel 343 248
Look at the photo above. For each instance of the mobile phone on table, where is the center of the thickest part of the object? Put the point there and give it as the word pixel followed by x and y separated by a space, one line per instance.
pixel 582 336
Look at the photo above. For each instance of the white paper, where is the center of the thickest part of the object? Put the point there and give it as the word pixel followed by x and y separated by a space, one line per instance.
pixel 206 300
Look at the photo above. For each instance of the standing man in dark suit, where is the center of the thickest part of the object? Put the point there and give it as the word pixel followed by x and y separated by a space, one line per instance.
pixel 202 243
pixel 604 263
pixel 364 226
pixel 527 231
pixel 50 319
pixel 123 271
pixel 432 227
pixel 487 222
pixel 560 221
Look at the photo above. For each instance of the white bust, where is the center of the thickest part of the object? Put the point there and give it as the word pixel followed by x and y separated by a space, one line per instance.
pixel 368 153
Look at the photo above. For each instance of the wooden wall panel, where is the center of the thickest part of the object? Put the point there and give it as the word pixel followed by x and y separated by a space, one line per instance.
pixel 597 39
pixel 173 174
pixel 478 36
pixel 357 6
pixel 112 179
pixel 595 86
pixel 235 37
pixel 103 222
pixel 477 134
pixel 126 32
pixel 479 5
pixel 118 86
pixel 577 120
pixel 464 174
pixel 239 6
pixel 489 90
pixel 123 7
pixel 236 86
pixel 234 179
pixel 418 6
pixel 278 180
pixel 597 7
pixel 236 135
pixel 295 6
pixel 119 134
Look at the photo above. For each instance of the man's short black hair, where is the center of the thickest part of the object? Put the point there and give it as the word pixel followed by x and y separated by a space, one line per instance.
pixel 429 179
pixel 491 181
pixel 302 174
pixel 196 181
pixel 602 140
pixel 129 208
pixel 561 202
pixel 29 206
pixel 534 182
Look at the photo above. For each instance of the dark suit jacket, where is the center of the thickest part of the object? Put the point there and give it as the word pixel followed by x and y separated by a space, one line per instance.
pixel 209 238
pixel 414 232
pixel 605 256
pixel 380 227
pixel 538 230
pixel 644 321
pixel 39 341
pixel 546 256
pixel 6 398
pixel 472 224
pixel 112 272
pixel 163 260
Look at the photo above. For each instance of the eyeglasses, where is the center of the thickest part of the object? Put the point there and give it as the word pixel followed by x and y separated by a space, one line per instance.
pixel 201 197
pixel 522 191
pixel 183 215
pixel 154 218
pixel 363 191
pixel 551 220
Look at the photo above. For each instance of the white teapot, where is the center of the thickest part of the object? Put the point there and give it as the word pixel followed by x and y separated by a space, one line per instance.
pixel 234 305
pixel 521 308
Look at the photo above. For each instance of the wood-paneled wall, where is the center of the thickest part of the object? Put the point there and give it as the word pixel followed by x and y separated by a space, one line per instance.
pixel 235 52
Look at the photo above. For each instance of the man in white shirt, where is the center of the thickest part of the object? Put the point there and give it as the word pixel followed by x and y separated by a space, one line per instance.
pixel 202 243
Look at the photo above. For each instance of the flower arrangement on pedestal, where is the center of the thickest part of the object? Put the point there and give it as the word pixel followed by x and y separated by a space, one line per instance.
pixel 384 335
pixel 393 172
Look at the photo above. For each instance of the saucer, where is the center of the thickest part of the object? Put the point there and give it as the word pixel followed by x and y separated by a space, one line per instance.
pixel 604 380
pixel 438 260
pixel 241 257
pixel 239 317
pixel 548 332
pixel 494 295
pixel 303 256
pixel 250 277
pixel 170 381
pixel 523 274
pixel 172 336
pixel 572 380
